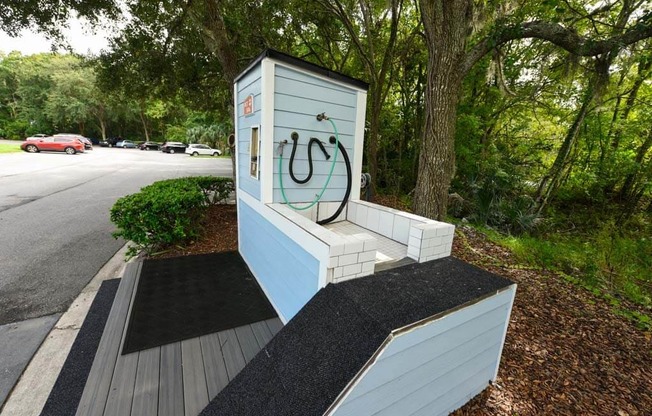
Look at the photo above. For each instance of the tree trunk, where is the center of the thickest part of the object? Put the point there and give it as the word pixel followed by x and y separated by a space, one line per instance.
pixel 143 120
pixel 446 24
pixel 626 191
pixel 553 179
pixel 372 136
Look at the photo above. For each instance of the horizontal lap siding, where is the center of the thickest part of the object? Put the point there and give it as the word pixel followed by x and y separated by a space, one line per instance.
pixel 249 84
pixel 298 99
pixel 432 368
pixel 287 272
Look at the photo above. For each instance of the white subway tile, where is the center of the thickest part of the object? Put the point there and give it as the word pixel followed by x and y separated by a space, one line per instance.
pixel 337 272
pixel 445 229
pixel 353 245
pixel 351 211
pixel 401 229
pixel 368 267
pixel 347 259
pixel 414 241
pixel 426 252
pixel 362 214
pixel 372 219
pixel 333 261
pixel 416 232
pixel 429 231
pixel 352 269
pixel 385 223
pixel 337 250
pixel 367 256
pixel 370 244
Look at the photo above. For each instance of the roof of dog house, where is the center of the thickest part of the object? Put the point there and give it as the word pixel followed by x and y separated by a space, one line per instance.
pixel 309 66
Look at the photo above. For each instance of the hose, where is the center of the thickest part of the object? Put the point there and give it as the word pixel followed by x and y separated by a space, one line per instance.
pixel 323 189
pixel 349 178
pixel 313 140
pixel 338 147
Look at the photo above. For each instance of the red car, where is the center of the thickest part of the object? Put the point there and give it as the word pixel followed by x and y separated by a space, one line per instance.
pixel 70 145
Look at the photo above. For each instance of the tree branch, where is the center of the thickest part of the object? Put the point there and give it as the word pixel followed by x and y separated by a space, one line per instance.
pixel 561 36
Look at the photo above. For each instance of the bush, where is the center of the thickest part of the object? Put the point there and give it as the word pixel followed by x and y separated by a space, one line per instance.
pixel 167 212
pixel 215 190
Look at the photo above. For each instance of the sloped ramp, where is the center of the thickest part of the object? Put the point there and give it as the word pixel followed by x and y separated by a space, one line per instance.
pixel 416 316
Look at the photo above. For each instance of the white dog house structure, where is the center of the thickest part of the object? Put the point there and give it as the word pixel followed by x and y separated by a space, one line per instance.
pixel 379 319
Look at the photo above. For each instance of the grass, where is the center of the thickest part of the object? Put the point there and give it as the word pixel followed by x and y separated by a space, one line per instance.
pixel 607 263
pixel 9 148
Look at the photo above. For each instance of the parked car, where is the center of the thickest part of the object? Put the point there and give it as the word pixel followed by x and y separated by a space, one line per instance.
pixel 202 149
pixel 173 147
pixel 70 145
pixel 149 146
pixel 37 136
pixel 126 144
pixel 88 145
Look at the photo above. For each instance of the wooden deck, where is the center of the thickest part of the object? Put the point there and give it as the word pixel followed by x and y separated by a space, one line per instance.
pixel 175 379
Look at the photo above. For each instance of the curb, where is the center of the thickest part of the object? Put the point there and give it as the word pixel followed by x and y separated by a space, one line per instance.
pixel 33 387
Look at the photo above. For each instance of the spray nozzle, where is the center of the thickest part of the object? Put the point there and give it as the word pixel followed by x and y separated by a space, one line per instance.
pixel 322 116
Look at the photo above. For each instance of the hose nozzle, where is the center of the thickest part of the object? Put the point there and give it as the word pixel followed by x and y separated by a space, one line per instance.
pixel 322 116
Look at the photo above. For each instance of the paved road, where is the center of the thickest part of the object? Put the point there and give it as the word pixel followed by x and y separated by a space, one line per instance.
pixel 55 232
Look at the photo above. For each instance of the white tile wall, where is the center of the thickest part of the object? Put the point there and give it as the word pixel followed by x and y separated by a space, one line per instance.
pixel 392 235
pixel 426 239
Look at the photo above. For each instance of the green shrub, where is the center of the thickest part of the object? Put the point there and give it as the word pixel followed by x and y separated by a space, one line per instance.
pixel 168 212
pixel 215 190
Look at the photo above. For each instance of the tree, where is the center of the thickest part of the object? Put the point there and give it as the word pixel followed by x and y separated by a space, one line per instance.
pixel 447 26
pixel 49 17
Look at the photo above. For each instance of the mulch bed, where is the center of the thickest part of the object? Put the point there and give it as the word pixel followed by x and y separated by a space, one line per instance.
pixel 220 233
pixel 566 352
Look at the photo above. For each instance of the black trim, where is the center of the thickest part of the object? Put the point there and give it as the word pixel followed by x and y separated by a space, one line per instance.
pixel 309 66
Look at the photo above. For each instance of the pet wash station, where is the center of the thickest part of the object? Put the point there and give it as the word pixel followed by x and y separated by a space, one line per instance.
pixel 387 322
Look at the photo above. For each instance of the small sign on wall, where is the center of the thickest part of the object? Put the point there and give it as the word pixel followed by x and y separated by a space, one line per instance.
pixel 249 105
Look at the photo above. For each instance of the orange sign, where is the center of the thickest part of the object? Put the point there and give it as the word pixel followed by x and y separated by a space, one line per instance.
pixel 249 105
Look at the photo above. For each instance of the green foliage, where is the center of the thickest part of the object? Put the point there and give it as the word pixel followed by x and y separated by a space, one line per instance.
pixel 216 190
pixel 608 261
pixel 9 148
pixel 168 212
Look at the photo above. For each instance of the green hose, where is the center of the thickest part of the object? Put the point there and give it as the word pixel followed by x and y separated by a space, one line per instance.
pixel 330 174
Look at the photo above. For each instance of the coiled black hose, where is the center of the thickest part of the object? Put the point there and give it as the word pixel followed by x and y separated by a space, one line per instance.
pixel 349 178
pixel 295 138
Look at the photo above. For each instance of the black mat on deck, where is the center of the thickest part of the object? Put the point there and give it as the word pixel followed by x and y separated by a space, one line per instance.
pixel 185 297
pixel 67 391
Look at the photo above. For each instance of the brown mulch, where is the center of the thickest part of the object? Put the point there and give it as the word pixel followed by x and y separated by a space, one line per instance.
pixel 220 233
pixel 566 352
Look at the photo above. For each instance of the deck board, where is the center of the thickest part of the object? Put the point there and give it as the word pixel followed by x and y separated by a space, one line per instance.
pixel 274 325
pixel 214 367
pixel 147 383
pixel 262 333
pixel 95 393
pixel 233 357
pixel 195 390
pixel 248 343
pixel 177 379
pixel 170 397
pixel 121 393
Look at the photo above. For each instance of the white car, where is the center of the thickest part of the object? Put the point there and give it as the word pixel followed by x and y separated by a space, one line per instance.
pixel 201 149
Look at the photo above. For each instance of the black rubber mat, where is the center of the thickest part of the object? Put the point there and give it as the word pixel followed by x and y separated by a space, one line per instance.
pixel 185 297
pixel 67 391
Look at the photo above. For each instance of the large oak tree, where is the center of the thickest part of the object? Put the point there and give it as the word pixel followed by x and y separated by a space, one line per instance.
pixel 448 31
